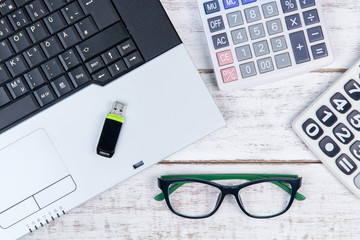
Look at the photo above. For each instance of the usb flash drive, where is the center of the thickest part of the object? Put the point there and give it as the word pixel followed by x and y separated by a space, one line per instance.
pixel 111 131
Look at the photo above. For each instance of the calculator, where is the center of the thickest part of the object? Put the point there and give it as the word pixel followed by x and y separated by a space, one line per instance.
pixel 255 42
pixel 330 127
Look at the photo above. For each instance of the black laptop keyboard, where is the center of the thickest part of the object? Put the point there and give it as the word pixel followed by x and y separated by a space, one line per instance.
pixel 50 49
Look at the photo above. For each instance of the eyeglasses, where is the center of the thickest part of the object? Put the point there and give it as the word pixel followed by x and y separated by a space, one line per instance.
pixel 195 196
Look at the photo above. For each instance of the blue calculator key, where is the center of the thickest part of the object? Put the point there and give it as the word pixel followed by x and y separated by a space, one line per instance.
pixel 315 34
pixel 230 3
pixel 288 5
pixel 311 17
pixel 212 7
pixel 247 1
pixel 307 3
pixel 220 41
pixel 293 21
pixel 319 51
pixel 299 47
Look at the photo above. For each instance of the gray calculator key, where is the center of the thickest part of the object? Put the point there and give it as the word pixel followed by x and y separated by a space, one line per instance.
pixel 243 53
pixel 319 51
pixel 239 36
pixel 315 34
pixel 282 60
pixel 252 14
pixel 257 31
pixel 299 47
pixel 235 19
pixel 211 7
pixel 220 41
pixel 293 21
pixel 261 48
pixel 270 9
pixel 248 70
pixel 274 26
pixel 216 24
pixel 307 3
pixel 288 5
pixel 278 44
pixel 265 65
pixel 311 17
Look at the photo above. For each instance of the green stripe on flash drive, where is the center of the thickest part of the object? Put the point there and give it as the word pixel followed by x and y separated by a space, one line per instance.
pixel 115 118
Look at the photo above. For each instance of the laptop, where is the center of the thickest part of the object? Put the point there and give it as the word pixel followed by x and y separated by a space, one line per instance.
pixel 62 66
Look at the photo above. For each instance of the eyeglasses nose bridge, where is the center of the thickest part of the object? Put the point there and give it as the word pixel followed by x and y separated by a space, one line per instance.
pixel 229 190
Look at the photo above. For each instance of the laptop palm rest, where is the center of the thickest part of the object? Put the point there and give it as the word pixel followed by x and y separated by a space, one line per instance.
pixel 30 184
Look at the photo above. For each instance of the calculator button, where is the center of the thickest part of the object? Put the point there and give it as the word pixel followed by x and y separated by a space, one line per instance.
pixel 326 116
pixel 247 1
pixel 340 103
pixel 229 74
pixel 265 65
pixel 239 36
pixel 243 53
pixel 355 150
pixel 211 7
pixel 225 58
pixel 235 19
pixel 261 48
pixel 220 41
pixel 283 60
pixel 252 14
pixel 311 17
pixel 288 5
pixel 270 9
pixel 230 3
pixel 248 70
pixel 357 181
pixel 343 134
pixel 352 88
pixel 216 24
pixel 319 51
pixel 329 147
pixel 315 34
pixel 354 120
pixel 346 165
pixel 274 26
pixel 293 22
pixel 256 31
pixel 312 129
pixel 299 47
pixel 278 44
pixel 307 3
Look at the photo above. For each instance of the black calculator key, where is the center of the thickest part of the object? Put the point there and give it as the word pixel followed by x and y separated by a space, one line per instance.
pixel 319 51
pixel 37 31
pixel 315 34
pixel 352 88
pixel 307 3
pixel 355 150
pixel 354 119
pixel 220 41
pixel 311 17
pixel 299 47
pixel 326 116
pixel 34 56
pixel 343 134
pixel 52 68
pixel 346 165
pixel 211 7
pixel 5 50
pixel 36 10
pixel 35 78
pixel 312 129
pixel 329 147
pixel 17 65
pixel 288 5
pixel 4 98
pixel 17 88
pixel 62 86
pixel 55 22
pixel 340 103
pixel 293 22
pixel 44 96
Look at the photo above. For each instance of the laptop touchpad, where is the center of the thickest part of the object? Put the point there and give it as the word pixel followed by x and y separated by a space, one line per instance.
pixel 33 177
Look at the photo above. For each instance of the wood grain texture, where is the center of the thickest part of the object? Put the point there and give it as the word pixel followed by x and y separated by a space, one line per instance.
pixel 258 138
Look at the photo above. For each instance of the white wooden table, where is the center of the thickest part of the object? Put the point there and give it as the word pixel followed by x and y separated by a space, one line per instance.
pixel 257 139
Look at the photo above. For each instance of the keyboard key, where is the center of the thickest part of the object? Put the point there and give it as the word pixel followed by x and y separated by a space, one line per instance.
pixel 55 22
pixel 69 37
pixel 5 50
pixel 4 97
pixel 326 116
pixel 20 41
pixel 216 24
pixel 243 53
pixel 86 27
pixel 17 110
pixel 340 103
pixel 44 96
pixel 133 60
pixel 343 134
pixel 54 4
pixel 95 64
pixel 319 51
pixel 79 76
pixel 261 48
pixel 345 164
pixel 293 22
pixel 220 41
pixel 274 26
pixel 126 47
pixel 355 150
pixel 229 74
pixel 256 31
pixel 239 36
pixel 278 44
pixel 248 70
pixel 62 86
pixel 265 65
pixel 225 58
pixel 235 19
pixel 102 76
pixel 299 47
pixel 352 88
pixel 17 65
pixel 35 78
pixel 17 88
pixel 70 59
pixel 288 5
pixel 270 9
pixel 354 120
pixel 307 3
pixel 283 60
pixel 329 147
pixel 6 7
pixel 73 12
pixel 37 32
pixel 312 129
pixel 252 14
pixel 52 68
pixel 20 3
pixel 102 12
pixel 117 68
pixel 18 19
pixel 51 47
pixel 34 56
pixel 5 29
pixel 36 10
pixel 311 17
pixel 4 75
pixel 110 56
pixel 211 7
pixel 315 34
pixel 102 41
pixel 230 4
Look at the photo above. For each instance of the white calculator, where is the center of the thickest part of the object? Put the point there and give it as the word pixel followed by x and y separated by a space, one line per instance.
pixel 330 127
pixel 255 42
